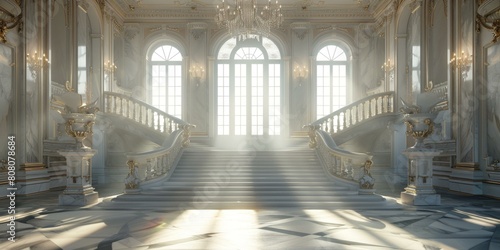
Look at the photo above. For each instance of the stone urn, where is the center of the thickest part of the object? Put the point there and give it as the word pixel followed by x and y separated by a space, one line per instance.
pixel 79 126
pixel 419 126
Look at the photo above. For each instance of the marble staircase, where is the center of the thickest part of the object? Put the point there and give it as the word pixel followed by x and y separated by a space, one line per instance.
pixel 222 179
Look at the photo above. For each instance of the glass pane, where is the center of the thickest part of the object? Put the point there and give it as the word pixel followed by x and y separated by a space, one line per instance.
pixel 272 50
pixel 248 53
pixel 166 53
pixel 226 49
pixel 331 53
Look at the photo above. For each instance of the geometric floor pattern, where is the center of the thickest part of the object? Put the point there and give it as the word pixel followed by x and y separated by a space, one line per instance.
pixel 460 223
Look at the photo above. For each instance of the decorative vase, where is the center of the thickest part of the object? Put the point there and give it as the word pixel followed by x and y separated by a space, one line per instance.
pixel 79 126
pixel 419 126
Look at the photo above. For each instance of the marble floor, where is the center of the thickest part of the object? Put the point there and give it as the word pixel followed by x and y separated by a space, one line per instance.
pixel 460 223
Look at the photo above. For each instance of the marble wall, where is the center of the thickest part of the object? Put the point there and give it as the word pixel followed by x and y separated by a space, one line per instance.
pixel 197 99
pixel 493 104
pixel 59 61
pixel 372 56
pixel 438 46
pixel 466 106
pixel 413 52
pixel 6 95
pixel 130 76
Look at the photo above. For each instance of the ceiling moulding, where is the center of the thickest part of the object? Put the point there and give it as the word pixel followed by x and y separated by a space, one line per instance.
pixel 161 14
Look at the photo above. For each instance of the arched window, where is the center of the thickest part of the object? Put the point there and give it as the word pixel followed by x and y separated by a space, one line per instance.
pixel 331 80
pixel 166 79
pixel 248 88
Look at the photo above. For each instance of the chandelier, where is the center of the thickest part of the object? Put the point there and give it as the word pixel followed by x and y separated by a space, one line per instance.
pixel 243 20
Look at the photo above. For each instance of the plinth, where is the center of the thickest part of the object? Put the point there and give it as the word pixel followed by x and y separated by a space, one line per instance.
pixel 420 190
pixel 79 190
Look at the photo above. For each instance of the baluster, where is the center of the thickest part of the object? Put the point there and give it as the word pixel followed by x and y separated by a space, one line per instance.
pixel 391 103
pixel 156 121
pixel 332 131
pixel 164 125
pixel 386 104
pixel 325 124
pixel 148 169
pixel 379 106
pixel 347 118
pixel 368 108
pixel 106 103
pixel 354 116
pixel 133 111
pixel 117 110
pixel 170 126
pixel 344 121
pixel 373 108
pixel 129 111
pixel 125 110
pixel 159 166
pixel 360 112
pixel 338 165
pixel 113 104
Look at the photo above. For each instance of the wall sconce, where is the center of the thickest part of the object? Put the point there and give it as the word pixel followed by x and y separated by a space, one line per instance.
pixel 461 63
pixel 388 66
pixel 10 16
pixel 36 63
pixel 197 73
pixel 300 73
pixel 109 67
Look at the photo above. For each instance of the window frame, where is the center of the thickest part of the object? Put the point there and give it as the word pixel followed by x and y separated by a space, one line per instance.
pixel 180 77
pixel 266 63
pixel 348 74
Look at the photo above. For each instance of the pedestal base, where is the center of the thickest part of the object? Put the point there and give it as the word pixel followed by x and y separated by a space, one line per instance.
pixel 420 199
pixel 78 199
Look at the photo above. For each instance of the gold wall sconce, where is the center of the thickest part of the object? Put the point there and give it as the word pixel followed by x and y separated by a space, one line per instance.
pixel 387 66
pixel 36 62
pixel 10 16
pixel 109 67
pixel 300 73
pixel 197 73
pixel 462 63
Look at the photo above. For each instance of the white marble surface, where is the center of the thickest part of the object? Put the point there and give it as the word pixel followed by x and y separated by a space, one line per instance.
pixel 438 49
pixel 6 95
pixel 493 104
pixel 410 198
pixel 466 109
pixel 372 54
pixel 460 223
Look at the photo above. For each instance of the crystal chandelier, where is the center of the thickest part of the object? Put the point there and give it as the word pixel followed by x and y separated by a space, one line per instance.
pixel 244 20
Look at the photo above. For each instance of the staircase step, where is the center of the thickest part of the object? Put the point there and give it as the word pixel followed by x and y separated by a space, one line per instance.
pixel 376 202
pixel 214 179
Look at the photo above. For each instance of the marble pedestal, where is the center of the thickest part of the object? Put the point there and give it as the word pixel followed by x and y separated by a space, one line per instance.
pixel 79 190
pixel 420 190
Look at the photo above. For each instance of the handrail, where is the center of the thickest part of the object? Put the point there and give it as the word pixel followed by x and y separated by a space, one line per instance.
pixel 356 112
pixel 146 168
pixel 352 167
pixel 141 112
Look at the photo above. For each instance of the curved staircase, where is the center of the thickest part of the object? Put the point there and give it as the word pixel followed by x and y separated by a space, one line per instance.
pixel 213 179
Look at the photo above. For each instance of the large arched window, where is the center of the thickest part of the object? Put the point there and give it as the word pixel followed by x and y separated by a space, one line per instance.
pixel 248 88
pixel 166 79
pixel 331 80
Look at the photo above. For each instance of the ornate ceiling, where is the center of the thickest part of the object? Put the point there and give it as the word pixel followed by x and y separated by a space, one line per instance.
pixel 336 11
